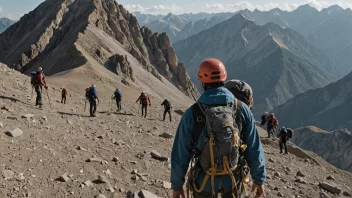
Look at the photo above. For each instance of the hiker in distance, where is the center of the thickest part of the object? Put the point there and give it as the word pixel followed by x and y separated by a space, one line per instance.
pixel 284 135
pixel 144 102
pixel 118 97
pixel 264 119
pixel 92 96
pixel 219 166
pixel 242 91
pixel 64 94
pixel 167 108
pixel 38 81
pixel 272 124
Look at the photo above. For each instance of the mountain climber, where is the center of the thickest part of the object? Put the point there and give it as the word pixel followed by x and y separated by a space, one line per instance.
pixel 92 96
pixel 242 91
pixel 144 101
pixel 272 123
pixel 64 93
pixel 284 135
pixel 167 108
pixel 263 119
pixel 38 81
pixel 202 136
pixel 118 97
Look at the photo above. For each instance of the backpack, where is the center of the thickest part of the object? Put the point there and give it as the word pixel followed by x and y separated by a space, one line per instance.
pixel 222 143
pixel 144 99
pixel 118 94
pixel 167 104
pixel 89 92
pixel 274 122
pixel 33 78
pixel 289 133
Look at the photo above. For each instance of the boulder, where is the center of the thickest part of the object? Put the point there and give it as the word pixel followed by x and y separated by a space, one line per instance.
pixel 15 133
pixel 330 187
pixel 146 194
pixel 158 156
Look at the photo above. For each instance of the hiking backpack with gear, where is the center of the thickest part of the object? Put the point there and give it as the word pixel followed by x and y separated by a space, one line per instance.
pixel 118 94
pixel 289 133
pixel 89 92
pixel 223 146
pixel 144 99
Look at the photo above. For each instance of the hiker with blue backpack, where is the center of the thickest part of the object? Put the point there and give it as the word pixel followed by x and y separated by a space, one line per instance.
pixel 92 96
pixel 218 166
pixel 284 135
pixel 118 97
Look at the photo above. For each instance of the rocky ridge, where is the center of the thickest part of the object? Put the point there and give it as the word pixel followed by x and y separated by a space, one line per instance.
pixel 88 32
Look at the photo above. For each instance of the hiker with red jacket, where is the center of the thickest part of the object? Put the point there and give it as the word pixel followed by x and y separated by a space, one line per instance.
pixel 64 94
pixel 271 125
pixel 38 82
pixel 167 108
pixel 144 101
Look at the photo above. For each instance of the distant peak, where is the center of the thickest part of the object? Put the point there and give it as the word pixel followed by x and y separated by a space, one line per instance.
pixel 306 7
pixel 333 8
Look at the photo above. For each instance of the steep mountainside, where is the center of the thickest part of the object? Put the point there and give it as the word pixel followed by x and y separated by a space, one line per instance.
pixel 327 108
pixel 334 147
pixel 62 35
pixel 329 29
pixel 279 63
pixel 63 153
pixel 5 23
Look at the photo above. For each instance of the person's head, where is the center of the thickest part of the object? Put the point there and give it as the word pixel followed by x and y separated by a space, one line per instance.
pixel 241 90
pixel 283 128
pixel 166 99
pixel 93 86
pixel 143 92
pixel 272 115
pixel 40 69
pixel 212 74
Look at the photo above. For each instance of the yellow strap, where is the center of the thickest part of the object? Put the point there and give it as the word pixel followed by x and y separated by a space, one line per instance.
pixel 202 186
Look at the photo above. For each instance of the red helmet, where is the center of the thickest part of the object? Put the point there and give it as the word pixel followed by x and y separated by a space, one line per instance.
pixel 212 70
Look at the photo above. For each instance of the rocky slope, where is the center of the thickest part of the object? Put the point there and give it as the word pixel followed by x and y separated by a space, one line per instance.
pixel 63 153
pixel 327 108
pixel 278 63
pixel 63 35
pixel 5 23
pixel 334 147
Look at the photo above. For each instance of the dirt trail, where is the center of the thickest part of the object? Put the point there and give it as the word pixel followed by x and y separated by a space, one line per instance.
pixel 63 139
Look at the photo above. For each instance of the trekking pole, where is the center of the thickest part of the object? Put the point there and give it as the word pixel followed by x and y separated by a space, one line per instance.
pixel 85 105
pixel 47 93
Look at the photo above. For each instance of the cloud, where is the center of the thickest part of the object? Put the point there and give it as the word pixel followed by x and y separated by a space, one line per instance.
pixel 0 9
pixel 156 9
pixel 135 7
pixel 318 4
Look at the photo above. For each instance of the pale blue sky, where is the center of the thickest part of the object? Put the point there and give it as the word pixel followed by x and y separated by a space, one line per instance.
pixel 16 8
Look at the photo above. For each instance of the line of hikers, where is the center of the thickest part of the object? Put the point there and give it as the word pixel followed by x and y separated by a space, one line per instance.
pixel 38 82
pixel 217 136
pixel 272 123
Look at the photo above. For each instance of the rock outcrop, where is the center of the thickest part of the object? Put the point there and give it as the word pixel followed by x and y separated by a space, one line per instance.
pixel 334 147
pixel 60 35
pixel 163 56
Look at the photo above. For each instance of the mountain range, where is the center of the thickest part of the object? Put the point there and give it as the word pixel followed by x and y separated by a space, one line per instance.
pixel 98 37
pixel 5 23
pixel 328 29
pixel 278 63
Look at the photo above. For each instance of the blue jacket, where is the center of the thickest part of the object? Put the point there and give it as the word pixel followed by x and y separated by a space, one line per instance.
pixel 183 144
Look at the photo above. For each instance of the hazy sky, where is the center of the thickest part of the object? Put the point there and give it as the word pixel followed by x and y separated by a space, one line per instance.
pixel 14 9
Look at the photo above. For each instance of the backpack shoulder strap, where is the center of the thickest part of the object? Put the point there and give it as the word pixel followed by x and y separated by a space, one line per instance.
pixel 239 118
pixel 198 121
